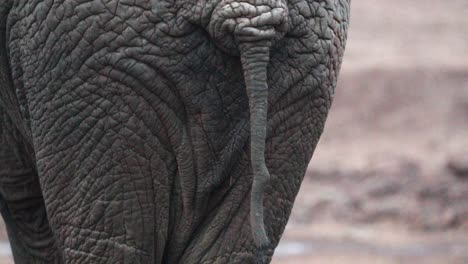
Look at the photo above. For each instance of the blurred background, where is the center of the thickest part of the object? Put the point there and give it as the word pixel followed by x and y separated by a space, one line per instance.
pixel 389 180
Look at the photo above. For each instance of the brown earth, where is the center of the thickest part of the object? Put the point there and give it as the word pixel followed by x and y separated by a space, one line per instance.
pixel 388 181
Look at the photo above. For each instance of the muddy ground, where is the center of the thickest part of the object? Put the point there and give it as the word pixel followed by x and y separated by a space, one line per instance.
pixel 388 182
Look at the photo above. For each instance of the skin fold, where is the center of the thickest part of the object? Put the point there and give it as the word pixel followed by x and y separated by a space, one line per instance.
pixel 150 131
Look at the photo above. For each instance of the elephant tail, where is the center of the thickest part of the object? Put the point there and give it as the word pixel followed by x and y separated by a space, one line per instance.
pixel 249 28
pixel 254 48
pixel 255 59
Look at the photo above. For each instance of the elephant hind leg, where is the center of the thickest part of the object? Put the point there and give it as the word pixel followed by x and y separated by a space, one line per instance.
pixel 21 201
pixel 36 246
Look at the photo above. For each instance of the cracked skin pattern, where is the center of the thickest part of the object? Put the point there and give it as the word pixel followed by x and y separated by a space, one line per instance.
pixel 131 125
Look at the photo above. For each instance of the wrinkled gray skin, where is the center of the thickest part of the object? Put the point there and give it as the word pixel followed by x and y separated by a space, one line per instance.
pixel 152 131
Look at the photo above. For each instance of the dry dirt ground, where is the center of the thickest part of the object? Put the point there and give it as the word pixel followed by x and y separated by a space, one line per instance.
pixel 386 184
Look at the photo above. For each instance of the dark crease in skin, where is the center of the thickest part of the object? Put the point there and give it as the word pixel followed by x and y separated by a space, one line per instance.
pixel 136 121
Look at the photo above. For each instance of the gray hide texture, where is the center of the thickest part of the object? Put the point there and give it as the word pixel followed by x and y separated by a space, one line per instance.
pixel 149 131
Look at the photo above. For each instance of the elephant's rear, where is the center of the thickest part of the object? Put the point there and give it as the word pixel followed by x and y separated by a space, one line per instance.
pixel 140 125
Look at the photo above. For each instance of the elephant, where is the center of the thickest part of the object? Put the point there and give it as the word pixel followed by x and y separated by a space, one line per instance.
pixel 160 131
